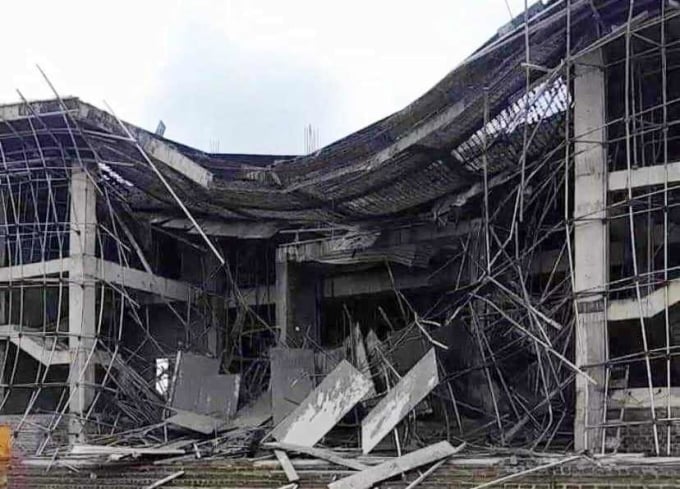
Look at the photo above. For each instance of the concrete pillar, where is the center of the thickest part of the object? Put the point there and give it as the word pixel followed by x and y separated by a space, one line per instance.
pixel 297 302
pixel 591 244
pixel 81 295
pixel 4 319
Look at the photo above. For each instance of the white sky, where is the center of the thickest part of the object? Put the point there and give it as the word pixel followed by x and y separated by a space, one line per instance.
pixel 247 73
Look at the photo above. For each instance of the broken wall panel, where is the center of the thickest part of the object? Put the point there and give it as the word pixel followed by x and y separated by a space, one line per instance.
pixel 218 395
pixel 191 374
pixel 292 379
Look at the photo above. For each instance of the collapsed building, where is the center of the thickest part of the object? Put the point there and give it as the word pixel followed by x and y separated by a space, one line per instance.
pixel 493 265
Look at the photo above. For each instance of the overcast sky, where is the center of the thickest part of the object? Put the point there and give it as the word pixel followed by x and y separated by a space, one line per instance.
pixel 250 74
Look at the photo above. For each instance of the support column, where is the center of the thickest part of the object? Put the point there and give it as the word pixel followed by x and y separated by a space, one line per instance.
pixel 81 296
pixel 297 302
pixel 4 317
pixel 591 244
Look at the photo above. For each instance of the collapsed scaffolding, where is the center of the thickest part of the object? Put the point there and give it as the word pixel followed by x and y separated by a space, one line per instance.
pixel 556 306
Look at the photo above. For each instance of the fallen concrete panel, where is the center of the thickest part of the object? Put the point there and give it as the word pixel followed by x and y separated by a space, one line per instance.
pixel 368 478
pixel 292 374
pixel 324 407
pixel 399 401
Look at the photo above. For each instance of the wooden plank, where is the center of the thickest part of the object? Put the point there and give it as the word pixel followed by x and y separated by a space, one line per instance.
pixel 287 466
pixel 292 371
pixel 398 402
pixel 368 478
pixel 318 453
pixel 324 406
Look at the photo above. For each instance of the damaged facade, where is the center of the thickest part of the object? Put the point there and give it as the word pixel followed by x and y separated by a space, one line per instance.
pixel 492 269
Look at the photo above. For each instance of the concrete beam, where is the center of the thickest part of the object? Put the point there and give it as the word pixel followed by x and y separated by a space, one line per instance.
pixel 41 347
pixel 398 245
pixel 639 398
pixel 645 177
pixel 157 148
pixel 344 285
pixel 106 271
pixel 650 305
pixel 114 273
pixel 18 273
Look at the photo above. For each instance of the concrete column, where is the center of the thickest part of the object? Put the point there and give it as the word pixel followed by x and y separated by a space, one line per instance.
pixel 4 319
pixel 81 295
pixel 591 244
pixel 297 302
